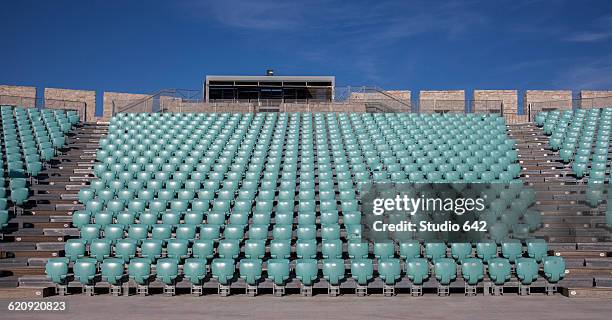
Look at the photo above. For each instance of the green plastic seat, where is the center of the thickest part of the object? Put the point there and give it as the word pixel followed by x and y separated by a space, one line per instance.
pixel 254 249
pixel 193 218
pixel 186 232
pixel 306 249
pixel 358 249
pixel 177 249
pixel 75 249
pixel 125 218
pixel 280 249
pixel 278 271
pixel 194 270
pixel 526 270
pixel 435 250
pixel 410 249
pixel 85 270
pixel 417 270
pixel 554 268
pixel 261 219
pixel 138 232
pixel 472 270
pixel 362 270
pixel 384 250
pixel 125 249
pixel 103 218
pixel 79 218
pixel 250 270
pixel 330 232
pixel 56 270
pixel 537 249
pixel 258 232
pixel 333 271
pixel 486 250
pixel 151 249
pixel 445 270
pixel 331 249
pixel 223 270
pixel 307 271
pixel 203 249
pixel 512 249
pixel 306 232
pixel 210 232
pixel 167 270
pixel 139 270
pixel 161 232
pixel 234 232
pixel 499 270
pixel 216 218
pixel 90 232
pixel 389 270
pixel 113 271
pixel 282 232
pixel 19 195
pixel 100 249
pixel 461 250
pixel 229 249
pixel 114 232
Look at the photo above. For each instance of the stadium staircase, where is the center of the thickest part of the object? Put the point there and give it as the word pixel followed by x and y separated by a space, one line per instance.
pixel 574 230
pixel 38 231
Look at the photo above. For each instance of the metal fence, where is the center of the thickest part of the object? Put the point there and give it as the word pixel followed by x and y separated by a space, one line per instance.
pixel 40 103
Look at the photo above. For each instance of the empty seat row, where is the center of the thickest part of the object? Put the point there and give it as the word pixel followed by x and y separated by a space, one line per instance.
pixel 279 270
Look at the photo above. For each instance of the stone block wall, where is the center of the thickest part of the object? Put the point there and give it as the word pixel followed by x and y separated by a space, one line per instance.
pixel 595 99
pixel 535 101
pixel 452 101
pixel 495 101
pixel 84 101
pixel 22 96
pixel 120 100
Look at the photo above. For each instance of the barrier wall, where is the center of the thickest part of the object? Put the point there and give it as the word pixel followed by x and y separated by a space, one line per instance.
pixel 170 104
pixel 535 101
pixel 444 101
pixel 488 101
pixel 595 99
pixel 516 118
pixel 429 101
pixel 118 101
pixel 403 95
pixel 23 96
pixel 72 99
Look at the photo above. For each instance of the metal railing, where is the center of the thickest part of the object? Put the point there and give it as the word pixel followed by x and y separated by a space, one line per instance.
pixel 40 103
pixel 152 103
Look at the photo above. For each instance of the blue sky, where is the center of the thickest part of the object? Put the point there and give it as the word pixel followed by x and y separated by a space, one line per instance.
pixel 139 47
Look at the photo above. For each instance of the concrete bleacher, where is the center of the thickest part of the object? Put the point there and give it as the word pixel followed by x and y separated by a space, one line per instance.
pixel 574 230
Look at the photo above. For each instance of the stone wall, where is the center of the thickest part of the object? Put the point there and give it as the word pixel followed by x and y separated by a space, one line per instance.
pixel 22 96
pixel 516 118
pixel 84 101
pixel 535 101
pixel 595 99
pixel 391 100
pixel 493 100
pixel 452 101
pixel 121 100
pixel 170 104
pixel 403 95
